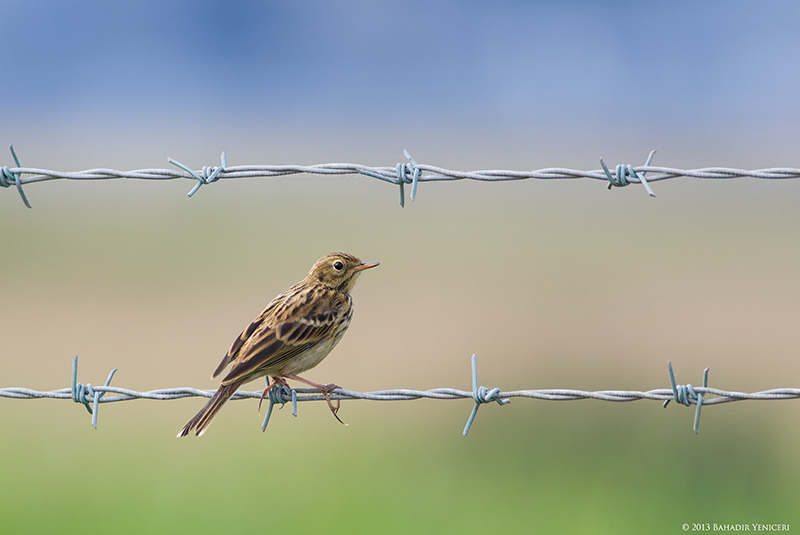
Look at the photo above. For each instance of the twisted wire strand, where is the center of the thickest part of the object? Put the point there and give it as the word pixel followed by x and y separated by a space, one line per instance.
pixel 91 397
pixel 389 174
pixel 403 394
pixel 409 172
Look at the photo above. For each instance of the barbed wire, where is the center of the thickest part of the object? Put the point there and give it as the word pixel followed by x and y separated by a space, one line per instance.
pixel 401 174
pixel 687 395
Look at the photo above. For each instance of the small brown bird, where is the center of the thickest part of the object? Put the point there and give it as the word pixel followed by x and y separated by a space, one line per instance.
pixel 293 334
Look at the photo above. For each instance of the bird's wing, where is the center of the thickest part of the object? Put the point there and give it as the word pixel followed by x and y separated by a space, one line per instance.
pixel 269 346
pixel 237 344
pixel 263 321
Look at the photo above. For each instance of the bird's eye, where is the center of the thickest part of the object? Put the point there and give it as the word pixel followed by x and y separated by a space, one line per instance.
pixel 338 266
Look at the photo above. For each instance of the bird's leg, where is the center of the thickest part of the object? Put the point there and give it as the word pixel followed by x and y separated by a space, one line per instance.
pixel 275 381
pixel 325 390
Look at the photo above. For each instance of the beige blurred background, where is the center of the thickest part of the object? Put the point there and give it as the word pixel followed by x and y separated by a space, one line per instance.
pixel 553 284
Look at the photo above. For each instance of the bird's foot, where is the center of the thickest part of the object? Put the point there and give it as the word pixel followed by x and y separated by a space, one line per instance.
pixel 275 381
pixel 325 390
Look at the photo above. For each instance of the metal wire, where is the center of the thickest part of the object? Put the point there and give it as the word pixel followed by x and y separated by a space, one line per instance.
pixel 687 395
pixel 403 173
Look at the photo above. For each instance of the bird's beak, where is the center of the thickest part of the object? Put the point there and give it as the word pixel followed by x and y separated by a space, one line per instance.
pixel 363 266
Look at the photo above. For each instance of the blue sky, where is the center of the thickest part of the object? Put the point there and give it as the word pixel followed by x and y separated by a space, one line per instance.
pixel 488 62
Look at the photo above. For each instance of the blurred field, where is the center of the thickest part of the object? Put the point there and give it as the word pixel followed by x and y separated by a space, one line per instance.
pixel 560 284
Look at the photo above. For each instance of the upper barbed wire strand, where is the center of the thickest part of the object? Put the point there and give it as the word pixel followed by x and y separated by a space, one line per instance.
pixel 390 174
pixel 407 172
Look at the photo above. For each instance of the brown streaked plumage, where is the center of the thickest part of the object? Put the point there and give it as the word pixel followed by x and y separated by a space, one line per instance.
pixel 294 333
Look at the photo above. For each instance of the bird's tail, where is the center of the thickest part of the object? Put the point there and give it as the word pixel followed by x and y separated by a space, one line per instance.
pixel 203 419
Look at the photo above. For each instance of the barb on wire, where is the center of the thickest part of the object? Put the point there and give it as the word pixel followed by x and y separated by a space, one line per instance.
pixel 6 175
pixel 401 174
pixel 620 177
pixel 687 395
pixel 85 393
pixel 402 171
pixel 206 176
pixel 279 393
pixel 481 395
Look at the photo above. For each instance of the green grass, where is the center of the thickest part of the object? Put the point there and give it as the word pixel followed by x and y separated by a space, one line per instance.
pixel 527 467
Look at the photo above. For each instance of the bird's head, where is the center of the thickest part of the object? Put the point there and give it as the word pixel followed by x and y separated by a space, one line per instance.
pixel 338 270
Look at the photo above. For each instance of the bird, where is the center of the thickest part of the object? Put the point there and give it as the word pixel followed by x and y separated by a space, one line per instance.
pixel 294 333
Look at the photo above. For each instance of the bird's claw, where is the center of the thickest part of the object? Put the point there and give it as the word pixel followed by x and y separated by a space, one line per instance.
pixel 326 390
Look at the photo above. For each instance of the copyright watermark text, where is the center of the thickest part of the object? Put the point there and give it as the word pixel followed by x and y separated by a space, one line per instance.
pixel 734 527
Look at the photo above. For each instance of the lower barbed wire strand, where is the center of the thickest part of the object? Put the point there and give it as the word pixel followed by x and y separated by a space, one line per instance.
pixel 400 394
pixel 91 397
